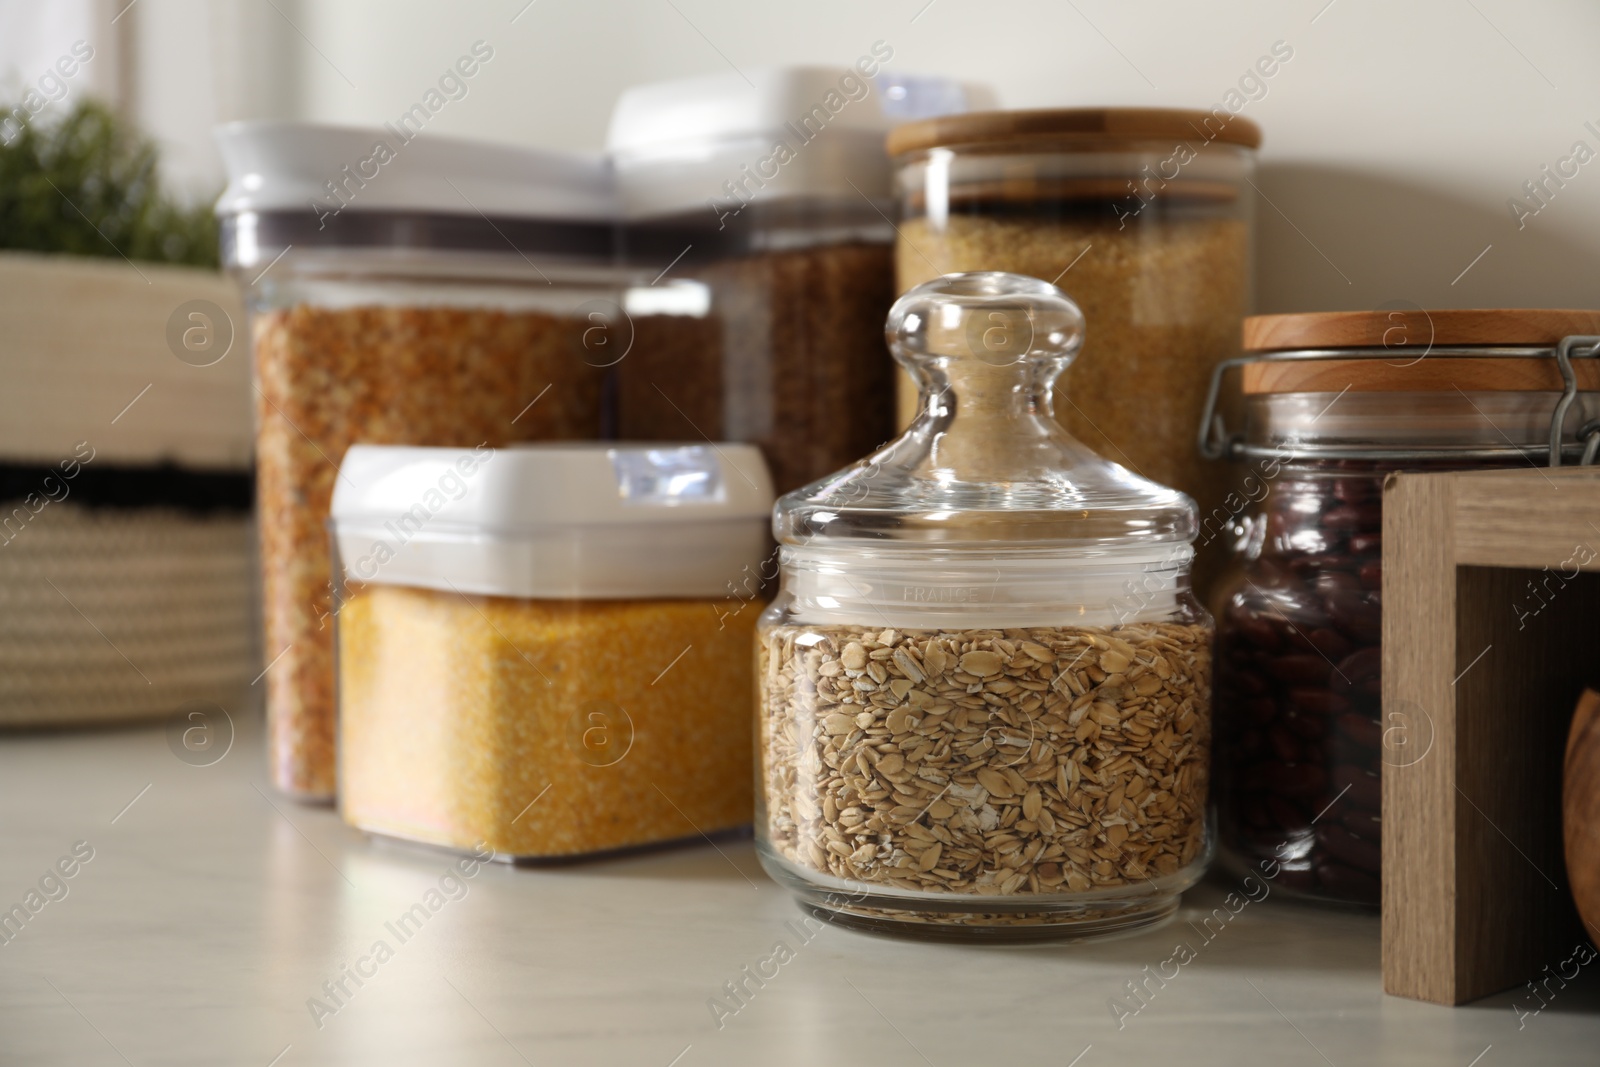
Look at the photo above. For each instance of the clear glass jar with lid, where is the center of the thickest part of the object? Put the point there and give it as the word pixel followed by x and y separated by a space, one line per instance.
pixel 1143 215
pixel 984 686
pixel 1328 405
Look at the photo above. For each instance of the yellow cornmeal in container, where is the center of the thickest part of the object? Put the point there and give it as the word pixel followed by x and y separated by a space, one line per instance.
pixel 534 727
pixel 549 725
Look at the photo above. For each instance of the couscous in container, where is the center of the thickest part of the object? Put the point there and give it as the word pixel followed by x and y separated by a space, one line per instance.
pixel 544 651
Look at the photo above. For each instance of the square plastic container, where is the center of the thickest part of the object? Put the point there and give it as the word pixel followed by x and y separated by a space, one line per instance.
pixel 545 651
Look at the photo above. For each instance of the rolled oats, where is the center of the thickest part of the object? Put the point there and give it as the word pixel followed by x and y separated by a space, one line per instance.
pixel 1046 760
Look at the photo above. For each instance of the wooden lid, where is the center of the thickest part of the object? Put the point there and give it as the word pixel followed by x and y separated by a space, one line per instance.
pixel 1416 328
pixel 1074 127
pixel 1414 336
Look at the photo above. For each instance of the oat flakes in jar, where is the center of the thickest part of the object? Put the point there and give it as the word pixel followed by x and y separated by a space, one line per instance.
pixel 984 687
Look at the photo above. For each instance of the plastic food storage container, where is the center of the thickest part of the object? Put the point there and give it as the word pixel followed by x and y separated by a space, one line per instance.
pixel 543 650
pixel 1142 215
pixel 427 291
pixel 1331 404
pixel 758 217
pixel 984 697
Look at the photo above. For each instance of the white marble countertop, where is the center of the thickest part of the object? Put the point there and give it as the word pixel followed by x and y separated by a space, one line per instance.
pixel 212 912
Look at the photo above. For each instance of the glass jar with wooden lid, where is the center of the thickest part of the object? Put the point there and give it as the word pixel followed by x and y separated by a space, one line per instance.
pixel 1142 215
pixel 1327 405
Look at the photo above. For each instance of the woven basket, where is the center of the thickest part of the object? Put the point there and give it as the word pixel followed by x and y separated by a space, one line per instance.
pixel 115 614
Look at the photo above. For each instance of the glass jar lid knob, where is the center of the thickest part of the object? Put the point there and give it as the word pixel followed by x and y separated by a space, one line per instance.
pixel 997 319
pixel 985 464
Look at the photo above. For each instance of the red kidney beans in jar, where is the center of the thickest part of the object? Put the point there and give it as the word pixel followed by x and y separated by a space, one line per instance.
pixel 1298 694
pixel 1332 402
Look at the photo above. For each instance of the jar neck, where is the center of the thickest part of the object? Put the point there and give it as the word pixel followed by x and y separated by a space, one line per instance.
pixel 988 415
pixel 951 589
pixel 1296 427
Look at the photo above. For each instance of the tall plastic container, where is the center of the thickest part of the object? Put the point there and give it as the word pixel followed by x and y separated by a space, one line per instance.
pixel 758 217
pixel 426 292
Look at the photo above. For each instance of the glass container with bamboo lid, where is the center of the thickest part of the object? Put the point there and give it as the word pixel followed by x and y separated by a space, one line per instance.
pixel 1142 215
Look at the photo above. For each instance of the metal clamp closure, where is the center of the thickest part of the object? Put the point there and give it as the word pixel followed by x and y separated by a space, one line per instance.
pixel 1217 442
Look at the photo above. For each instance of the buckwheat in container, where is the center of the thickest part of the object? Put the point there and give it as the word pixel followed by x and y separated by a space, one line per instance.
pixel 420 291
pixel 758 218
pixel 984 704
pixel 544 651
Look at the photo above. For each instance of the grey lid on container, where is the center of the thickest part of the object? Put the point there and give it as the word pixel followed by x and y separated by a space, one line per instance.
pixel 318 186
pixel 772 134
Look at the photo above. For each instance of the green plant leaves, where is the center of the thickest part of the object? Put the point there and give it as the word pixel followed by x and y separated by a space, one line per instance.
pixel 88 185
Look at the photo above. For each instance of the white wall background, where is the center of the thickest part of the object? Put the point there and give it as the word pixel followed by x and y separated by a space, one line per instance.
pixel 1394 137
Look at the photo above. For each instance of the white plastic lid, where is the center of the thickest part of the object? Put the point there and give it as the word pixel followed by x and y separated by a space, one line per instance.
pixel 675 143
pixel 588 521
pixel 287 166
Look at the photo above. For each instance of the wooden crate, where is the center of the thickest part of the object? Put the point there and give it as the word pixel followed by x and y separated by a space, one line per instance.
pixel 1491 630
